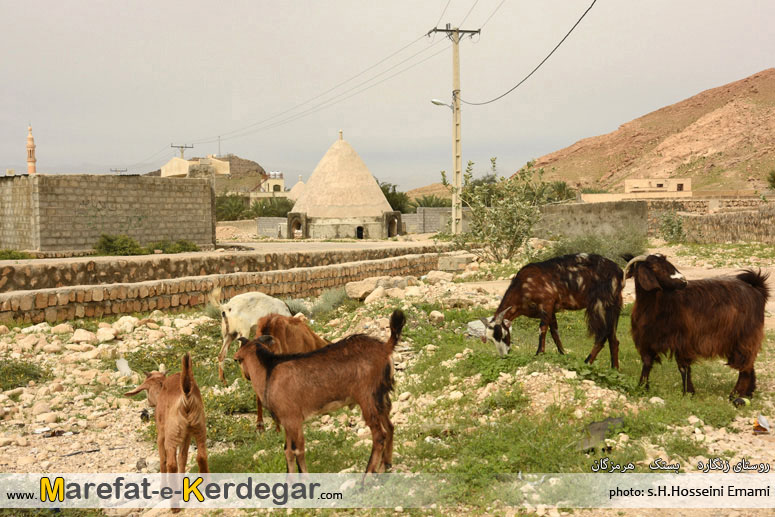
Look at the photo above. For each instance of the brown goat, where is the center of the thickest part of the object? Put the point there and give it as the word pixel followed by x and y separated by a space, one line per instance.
pixel 571 282
pixel 717 317
pixel 180 415
pixel 358 369
pixel 291 336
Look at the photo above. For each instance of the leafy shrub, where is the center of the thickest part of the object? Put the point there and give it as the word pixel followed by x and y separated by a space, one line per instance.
pixel 612 246
pixel 167 246
pixel 671 227
pixel 398 200
pixel 296 305
pixel 15 373
pixel 329 300
pixel 14 255
pixel 212 311
pixel 771 179
pixel 502 213
pixel 431 200
pixel 119 245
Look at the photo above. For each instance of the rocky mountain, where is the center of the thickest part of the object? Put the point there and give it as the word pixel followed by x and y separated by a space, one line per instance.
pixel 722 138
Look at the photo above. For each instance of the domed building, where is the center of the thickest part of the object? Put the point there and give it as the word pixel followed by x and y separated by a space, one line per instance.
pixel 342 200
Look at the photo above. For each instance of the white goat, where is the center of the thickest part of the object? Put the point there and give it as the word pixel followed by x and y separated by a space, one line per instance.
pixel 240 315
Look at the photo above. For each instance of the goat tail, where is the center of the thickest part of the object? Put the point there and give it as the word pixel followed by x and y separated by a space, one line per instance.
pixel 757 280
pixel 604 306
pixel 397 321
pixel 186 375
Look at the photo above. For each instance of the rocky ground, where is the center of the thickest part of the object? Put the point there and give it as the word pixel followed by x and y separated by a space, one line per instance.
pixel 78 421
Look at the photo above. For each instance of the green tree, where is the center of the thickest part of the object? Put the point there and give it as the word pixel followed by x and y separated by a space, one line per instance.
pixel 398 200
pixel 230 208
pixel 431 200
pixel 271 207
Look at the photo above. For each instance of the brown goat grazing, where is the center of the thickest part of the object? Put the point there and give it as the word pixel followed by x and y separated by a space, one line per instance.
pixel 570 282
pixel 717 317
pixel 291 336
pixel 356 370
pixel 180 415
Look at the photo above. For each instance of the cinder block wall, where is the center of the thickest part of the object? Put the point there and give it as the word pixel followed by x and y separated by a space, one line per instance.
pixel 268 226
pixel 71 211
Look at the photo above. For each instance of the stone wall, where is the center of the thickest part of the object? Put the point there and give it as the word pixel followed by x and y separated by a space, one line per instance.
pixel 66 303
pixel 432 219
pixel 70 212
pixel 749 226
pixel 33 274
pixel 658 207
pixel 575 219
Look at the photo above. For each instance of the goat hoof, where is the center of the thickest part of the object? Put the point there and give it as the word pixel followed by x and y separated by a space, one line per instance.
pixel 588 359
pixel 260 428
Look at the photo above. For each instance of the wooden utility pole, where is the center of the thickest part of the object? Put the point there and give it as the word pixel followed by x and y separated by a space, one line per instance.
pixel 457 155
pixel 182 147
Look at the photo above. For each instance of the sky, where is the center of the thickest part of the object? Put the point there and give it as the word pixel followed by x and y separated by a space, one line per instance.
pixel 113 84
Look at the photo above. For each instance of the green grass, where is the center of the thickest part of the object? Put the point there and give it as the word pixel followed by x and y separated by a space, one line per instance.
pixel 15 373
pixel 726 255
pixel 6 254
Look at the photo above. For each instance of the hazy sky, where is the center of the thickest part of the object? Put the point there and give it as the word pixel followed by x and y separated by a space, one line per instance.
pixel 111 84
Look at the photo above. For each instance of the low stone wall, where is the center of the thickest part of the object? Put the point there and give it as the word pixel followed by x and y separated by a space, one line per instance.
pixel 748 226
pixel 575 219
pixel 60 304
pixel 658 207
pixel 29 274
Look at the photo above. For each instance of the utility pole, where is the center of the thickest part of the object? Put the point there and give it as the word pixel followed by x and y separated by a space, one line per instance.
pixel 119 171
pixel 182 147
pixel 454 34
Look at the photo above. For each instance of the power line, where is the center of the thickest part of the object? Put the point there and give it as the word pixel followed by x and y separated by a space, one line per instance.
pixel 276 115
pixel 442 13
pixel 467 14
pixel 537 67
pixel 492 14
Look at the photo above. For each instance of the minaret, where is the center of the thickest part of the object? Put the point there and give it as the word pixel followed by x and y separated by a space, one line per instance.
pixel 30 152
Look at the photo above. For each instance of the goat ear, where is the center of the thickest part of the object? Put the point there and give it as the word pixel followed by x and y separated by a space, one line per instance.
pixel 136 390
pixel 647 280
pixel 506 323
pixel 242 341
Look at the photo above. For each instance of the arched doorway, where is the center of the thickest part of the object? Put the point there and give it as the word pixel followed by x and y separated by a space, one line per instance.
pixel 359 232
pixel 296 230
pixel 392 228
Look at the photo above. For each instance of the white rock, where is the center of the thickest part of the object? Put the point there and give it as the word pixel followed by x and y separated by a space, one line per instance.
pixel 656 400
pixel 375 295
pixel 62 328
pixel 40 407
pixel 435 277
pixel 83 336
pixel 693 420
pixel 155 335
pixel 47 418
pixel 40 327
pixel 569 374
pixel 126 324
pixel 180 323
pixel 578 414
pixel 53 348
pixel 404 396
pixel 436 317
pixel 25 460
pixel 475 328
pixel 106 334
pixel 456 395
pixel 413 291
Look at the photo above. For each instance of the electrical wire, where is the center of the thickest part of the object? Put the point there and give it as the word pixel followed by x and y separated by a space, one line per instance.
pixel 468 14
pixel 537 67
pixel 492 14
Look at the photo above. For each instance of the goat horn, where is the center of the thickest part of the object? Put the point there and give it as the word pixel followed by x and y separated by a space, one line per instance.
pixel 639 258
pixel 499 317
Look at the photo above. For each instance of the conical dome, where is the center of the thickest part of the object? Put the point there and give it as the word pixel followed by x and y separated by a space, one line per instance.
pixel 295 193
pixel 342 186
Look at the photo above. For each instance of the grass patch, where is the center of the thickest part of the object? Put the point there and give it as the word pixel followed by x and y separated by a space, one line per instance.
pixel 6 254
pixel 122 245
pixel 747 254
pixel 612 246
pixel 15 373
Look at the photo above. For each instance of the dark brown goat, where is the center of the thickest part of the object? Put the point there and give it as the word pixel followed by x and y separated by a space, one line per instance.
pixel 291 336
pixel 570 282
pixel 717 317
pixel 356 370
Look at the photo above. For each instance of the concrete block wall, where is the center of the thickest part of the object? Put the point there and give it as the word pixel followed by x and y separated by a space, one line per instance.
pixel 269 227
pixel 71 211
pixel 591 218
pixel 67 303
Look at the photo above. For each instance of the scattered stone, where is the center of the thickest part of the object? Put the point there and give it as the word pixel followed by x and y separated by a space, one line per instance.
pixel 375 295
pixel 53 348
pixel 25 460
pixel 105 335
pixel 435 277
pixel 569 374
pixel 404 396
pixel 693 420
pixel 83 336
pixel 656 400
pixel 155 335
pixel 456 395
pixel 62 328
pixel 475 328
pixel 3 330
pixel 126 324
pixel 47 418
pixel 40 408
pixel 436 317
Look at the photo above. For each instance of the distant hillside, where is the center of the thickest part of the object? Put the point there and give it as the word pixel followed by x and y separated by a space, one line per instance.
pixel 723 138
pixel 245 175
pixel 435 189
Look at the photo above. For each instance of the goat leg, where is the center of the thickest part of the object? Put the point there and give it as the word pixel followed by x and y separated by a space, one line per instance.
pixel 746 384
pixel 648 360
pixel 542 337
pixel 201 451
pixel 613 345
pixel 555 335
pixel 682 369
pixel 183 453
pixel 593 353
pixel 227 339
pixel 259 415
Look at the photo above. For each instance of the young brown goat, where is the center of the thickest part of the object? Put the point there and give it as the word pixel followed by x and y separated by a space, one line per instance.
pixel 356 370
pixel 291 336
pixel 717 317
pixel 180 415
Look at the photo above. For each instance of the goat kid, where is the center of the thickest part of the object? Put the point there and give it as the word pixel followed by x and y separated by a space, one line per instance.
pixel 180 415
pixel 570 282
pixel 291 336
pixel 240 315
pixel 358 369
pixel 716 317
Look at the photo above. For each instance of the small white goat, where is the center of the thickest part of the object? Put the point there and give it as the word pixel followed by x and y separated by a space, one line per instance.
pixel 240 315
